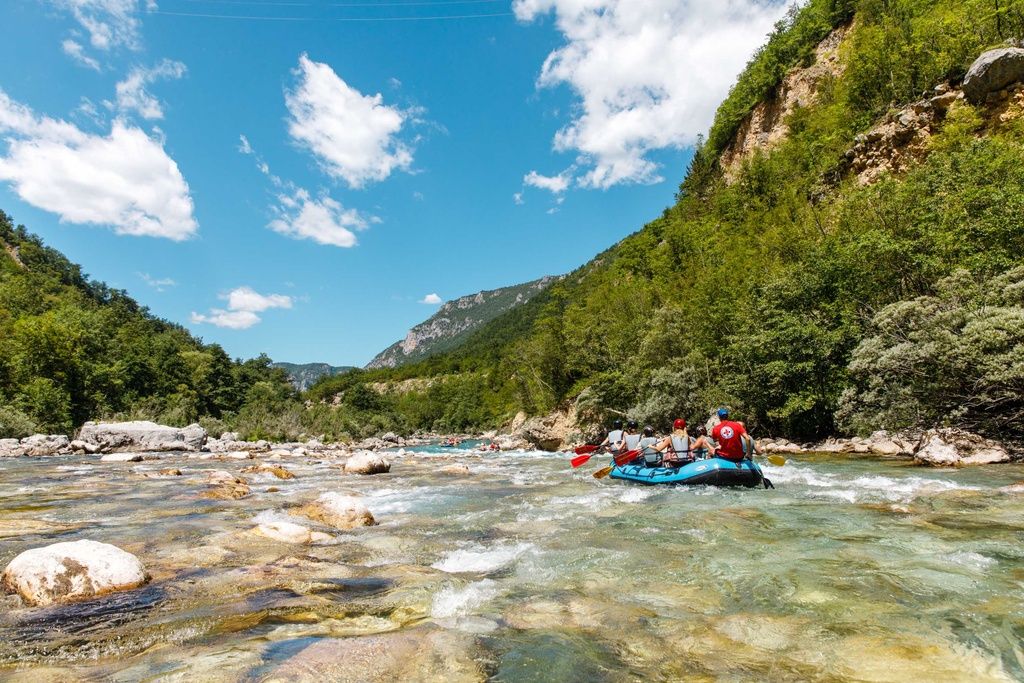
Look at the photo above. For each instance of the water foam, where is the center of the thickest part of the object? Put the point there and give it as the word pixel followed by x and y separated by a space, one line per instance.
pixel 481 558
pixel 452 601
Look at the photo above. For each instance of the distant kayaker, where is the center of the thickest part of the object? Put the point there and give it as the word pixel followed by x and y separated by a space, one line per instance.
pixel 701 445
pixel 675 448
pixel 615 442
pixel 650 454
pixel 729 434
pixel 632 435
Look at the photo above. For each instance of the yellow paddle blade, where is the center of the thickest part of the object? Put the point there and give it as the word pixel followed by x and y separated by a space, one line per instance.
pixel 602 473
pixel 776 460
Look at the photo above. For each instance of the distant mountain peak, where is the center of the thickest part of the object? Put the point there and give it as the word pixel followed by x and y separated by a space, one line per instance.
pixel 305 375
pixel 455 320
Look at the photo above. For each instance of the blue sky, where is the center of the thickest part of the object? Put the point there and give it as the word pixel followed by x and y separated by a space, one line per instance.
pixel 387 154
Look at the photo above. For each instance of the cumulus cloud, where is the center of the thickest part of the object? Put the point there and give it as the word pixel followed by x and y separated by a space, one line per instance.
pixel 649 74
pixel 109 23
pixel 555 184
pixel 244 305
pixel 125 179
pixel 353 136
pixel 132 95
pixel 323 220
pixel 433 299
pixel 75 50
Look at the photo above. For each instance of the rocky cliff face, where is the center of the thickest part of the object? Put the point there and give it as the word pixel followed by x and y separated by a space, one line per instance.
pixel 305 375
pixel 454 321
pixel 766 126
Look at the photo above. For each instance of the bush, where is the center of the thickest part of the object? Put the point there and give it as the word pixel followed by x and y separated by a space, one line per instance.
pixel 952 358
pixel 15 424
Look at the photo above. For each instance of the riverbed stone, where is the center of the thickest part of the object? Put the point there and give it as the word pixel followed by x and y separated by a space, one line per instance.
pixel 456 469
pixel 71 571
pixel 121 457
pixel 46 444
pixel 290 532
pixel 424 653
pixel 141 436
pixel 11 448
pixel 339 511
pixel 226 486
pixel 993 71
pixel 365 462
pixel 954 448
pixel 276 470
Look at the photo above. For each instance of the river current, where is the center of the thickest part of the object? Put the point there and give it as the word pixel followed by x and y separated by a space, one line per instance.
pixel 852 569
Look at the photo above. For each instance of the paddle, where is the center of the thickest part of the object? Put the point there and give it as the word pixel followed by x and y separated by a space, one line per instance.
pixel 776 459
pixel 583 450
pixel 620 459
pixel 585 454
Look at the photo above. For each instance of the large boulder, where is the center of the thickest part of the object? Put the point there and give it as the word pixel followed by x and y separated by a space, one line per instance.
pixel 142 436
pixel 71 571
pixel 339 511
pixel 884 443
pixel 46 444
pixel 365 462
pixel 954 448
pixel 993 71
pixel 11 448
pixel 549 432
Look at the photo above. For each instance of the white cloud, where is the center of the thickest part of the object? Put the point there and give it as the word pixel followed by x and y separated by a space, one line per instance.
pixel 433 299
pixel 75 50
pixel 323 220
pixel 243 145
pixel 132 94
pixel 109 23
pixel 354 136
pixel 518 199
pixel 248 299
pixel 244 303
pixel 649 74
pixel 125 179
pixel 159 284
pixel 555 184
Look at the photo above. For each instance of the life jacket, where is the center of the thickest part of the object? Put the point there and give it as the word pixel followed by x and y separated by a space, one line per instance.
pixel 681 447
pixel 614 437
pixel 651 456
pixel 631 441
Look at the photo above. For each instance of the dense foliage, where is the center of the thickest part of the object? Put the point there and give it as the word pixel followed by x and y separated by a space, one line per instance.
pixel 72 349
pixel 757 293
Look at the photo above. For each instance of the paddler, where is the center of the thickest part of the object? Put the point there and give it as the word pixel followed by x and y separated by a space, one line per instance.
pixel 650 454
pixel 676 447
pixel 632 435
pixel 701 445
pixel 615 442
pixel 728 434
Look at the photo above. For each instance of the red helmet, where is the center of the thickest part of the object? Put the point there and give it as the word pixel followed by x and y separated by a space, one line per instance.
pixel 679 424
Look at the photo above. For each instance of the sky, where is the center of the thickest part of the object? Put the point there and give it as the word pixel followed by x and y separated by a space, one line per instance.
pixel 310 178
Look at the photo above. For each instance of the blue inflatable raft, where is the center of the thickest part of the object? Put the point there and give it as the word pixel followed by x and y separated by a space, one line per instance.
pixel 713 472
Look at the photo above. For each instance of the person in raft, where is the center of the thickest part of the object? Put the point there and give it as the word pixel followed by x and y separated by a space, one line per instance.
pixel 701 445
pixel 632 435
pixel 728 434
pixel 676 447
pixel 650 454
pixel 615 442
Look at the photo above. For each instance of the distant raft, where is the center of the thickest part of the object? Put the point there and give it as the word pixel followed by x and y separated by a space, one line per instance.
pixel 711 472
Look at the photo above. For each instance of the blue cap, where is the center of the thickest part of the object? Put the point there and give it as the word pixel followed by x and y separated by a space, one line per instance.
pixel 723 413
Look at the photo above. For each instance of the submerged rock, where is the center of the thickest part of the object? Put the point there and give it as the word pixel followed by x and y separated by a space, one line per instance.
pixel 71 571
pixel 140 436
pixel 993 71
pixel 289 532
pixel 365 462
pixel 339 511
pixel 953 448
pixel 226 486
pixel 419 654
pixel 458 469
pixel 276 470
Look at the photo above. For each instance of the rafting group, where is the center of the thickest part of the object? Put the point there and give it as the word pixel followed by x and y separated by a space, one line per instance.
pixel 723 458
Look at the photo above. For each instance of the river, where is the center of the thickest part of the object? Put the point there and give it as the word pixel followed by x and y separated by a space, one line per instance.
pixel 852 569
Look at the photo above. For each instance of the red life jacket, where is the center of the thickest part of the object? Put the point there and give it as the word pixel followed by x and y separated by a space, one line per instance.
pixel 728 435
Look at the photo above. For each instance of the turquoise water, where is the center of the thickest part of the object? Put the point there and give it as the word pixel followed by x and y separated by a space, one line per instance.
pixel 526 570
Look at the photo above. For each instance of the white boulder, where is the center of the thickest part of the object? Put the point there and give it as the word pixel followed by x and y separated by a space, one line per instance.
pixel 71 571
pixel 339 511
pixel 954 448
pixel 289 532
pixel 46 444
pixel 142 436
pixel 121 457
pixel 365 462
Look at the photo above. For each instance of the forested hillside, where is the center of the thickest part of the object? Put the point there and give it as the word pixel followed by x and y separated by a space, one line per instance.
pixel 72 349
pixel 773 290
